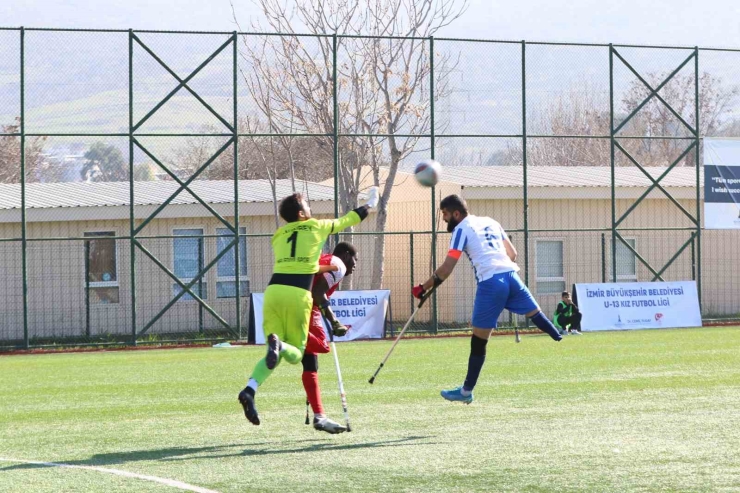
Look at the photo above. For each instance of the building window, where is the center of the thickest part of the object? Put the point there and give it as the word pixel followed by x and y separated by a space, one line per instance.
pixel 226 268
pixel 101 268
pixel 188 260
pixel 626 261
pixel 550 277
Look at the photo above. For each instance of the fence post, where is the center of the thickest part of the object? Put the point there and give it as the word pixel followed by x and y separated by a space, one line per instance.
pixel 335 116
pixel 237 246
pixel 693 256
pixel 87 288
pixel 201 261
pixel 603 257
pixel 525 197
pixel 511 315
pixel 24 231
pixel 411 262
pixel 525 184
pixel 613 177
pixel 132 225
pixel 435 319
pixel 698 180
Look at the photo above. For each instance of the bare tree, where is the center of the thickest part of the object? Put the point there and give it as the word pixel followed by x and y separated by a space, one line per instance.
pixel 729 129
pixel 382 83
pixel 656 120
pixel 308 160
pixel 584 111
pixel 261 157
pixel 195 151
pixel 10 156
pixel 576 112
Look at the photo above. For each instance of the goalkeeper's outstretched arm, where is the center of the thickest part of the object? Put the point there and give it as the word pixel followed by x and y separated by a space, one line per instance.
pixel 353 217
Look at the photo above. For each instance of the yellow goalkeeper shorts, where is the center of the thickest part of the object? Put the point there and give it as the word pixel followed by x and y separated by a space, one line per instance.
pixel 286 312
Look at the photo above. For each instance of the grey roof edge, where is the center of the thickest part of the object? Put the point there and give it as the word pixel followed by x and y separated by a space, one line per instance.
pixel 72 195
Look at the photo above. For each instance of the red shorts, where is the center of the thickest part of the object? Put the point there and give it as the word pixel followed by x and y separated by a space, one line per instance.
pixel 317 340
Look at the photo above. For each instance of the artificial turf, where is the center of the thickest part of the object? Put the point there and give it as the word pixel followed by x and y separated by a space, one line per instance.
pixel 620 411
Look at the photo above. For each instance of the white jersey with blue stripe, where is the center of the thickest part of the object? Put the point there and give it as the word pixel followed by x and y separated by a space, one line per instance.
pixel 482 239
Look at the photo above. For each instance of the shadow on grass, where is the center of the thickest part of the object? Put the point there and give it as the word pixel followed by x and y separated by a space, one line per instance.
pixel 317 446
pixel 219 452
pixel 115 458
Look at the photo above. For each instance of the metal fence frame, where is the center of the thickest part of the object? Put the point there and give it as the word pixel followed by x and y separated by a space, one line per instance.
pixel 230 122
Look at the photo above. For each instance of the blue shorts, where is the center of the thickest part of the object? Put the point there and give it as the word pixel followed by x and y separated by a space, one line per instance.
pixel 505 290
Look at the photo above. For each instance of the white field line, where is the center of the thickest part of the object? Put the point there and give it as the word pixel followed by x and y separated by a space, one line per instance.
pixel 117 472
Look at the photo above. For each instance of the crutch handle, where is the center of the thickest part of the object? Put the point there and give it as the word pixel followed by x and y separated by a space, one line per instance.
pixel 426 296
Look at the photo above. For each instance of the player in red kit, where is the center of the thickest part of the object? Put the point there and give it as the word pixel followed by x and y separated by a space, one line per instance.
pixel 332 269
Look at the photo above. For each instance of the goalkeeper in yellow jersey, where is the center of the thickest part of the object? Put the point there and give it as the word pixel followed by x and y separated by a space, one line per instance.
pixel 288 301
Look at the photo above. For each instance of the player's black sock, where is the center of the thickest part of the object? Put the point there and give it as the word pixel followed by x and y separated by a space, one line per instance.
pixel 475 361
pixel 544 324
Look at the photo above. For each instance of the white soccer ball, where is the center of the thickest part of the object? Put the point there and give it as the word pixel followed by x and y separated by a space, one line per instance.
pixel 428 172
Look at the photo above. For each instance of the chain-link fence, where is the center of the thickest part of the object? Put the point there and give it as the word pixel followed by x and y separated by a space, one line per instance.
pixel 139 170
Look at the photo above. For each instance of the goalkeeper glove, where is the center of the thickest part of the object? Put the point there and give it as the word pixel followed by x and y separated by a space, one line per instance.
pixel 373 197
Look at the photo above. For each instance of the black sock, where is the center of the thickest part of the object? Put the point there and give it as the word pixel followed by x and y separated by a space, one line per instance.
pixel 475 361
pixel 544 324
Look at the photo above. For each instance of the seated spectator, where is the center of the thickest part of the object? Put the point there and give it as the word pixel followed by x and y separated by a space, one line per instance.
pixel 567 316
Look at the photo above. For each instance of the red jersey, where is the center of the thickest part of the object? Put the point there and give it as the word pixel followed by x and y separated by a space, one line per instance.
pixel 333 278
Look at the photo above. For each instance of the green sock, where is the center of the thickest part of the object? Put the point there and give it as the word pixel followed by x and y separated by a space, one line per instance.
pixel 261 372
pixel 291 353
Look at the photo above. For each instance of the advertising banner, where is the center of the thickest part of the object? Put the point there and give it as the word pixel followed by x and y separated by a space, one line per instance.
pixel 362 311
pixel 721 184
pixel 638 305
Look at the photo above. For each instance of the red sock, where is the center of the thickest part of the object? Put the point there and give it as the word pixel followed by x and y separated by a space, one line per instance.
pixel 313 392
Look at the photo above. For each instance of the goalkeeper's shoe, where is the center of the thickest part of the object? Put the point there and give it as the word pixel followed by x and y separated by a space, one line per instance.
pixel 246 399
pixel 456 395
pixel 273 351
pixel 328 425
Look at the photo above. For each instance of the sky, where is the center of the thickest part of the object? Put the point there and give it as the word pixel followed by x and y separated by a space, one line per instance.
pixel 710 23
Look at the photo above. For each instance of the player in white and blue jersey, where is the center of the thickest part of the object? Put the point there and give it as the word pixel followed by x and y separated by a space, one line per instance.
pixel 493 256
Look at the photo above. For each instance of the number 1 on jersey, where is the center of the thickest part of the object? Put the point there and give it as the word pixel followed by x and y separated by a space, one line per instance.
pixel 293 239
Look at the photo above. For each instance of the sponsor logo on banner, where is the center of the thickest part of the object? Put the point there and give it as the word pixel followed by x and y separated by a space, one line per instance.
pixel 625 306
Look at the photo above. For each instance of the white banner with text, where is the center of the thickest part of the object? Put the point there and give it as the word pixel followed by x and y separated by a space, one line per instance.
pixel 363 312
pixel 638 305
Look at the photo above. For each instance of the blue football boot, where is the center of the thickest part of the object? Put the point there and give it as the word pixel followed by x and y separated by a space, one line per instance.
pixel 456 395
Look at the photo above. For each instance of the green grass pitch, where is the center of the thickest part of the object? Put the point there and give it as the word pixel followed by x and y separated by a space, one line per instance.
pixel 623 411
